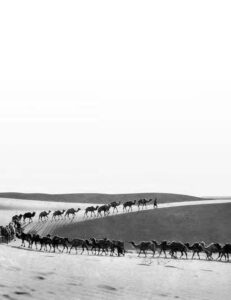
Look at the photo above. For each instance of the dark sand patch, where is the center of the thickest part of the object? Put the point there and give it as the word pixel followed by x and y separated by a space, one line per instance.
pixel 107 287
pixel 40 277
pixel 22 293
pixel 174 267
pixel 8 297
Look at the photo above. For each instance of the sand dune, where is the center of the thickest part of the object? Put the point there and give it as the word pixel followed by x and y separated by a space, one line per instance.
pixel 44 275
pixel 50 226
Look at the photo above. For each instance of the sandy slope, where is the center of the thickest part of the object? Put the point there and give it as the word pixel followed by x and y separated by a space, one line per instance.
pixel 25 273
pixel 50 226
pixel 40 275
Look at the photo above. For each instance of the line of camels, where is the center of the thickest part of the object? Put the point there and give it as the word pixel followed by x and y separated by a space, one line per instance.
pixel 106 246
pixel 91 211
pixel 115 247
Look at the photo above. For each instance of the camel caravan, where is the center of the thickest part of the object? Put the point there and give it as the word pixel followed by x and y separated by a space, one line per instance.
pixel 114 247
pixel 183 248
pixel 91 211
pixel 104 245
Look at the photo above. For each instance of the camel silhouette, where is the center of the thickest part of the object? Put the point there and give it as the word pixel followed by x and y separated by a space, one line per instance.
pixel 44 215
pixel 71 211
pixel 128 204
pixel 105 209
pixel 141 247
pixel 178 247
pixel 28 215
pixel 143 203
pixel 114 205
pixel 196 248
pixel 225 251
pixel 57 214
pixel 210 249
pixel 91 209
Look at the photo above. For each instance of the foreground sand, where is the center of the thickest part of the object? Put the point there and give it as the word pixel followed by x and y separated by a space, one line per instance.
pixel 32 274
pixel 28 274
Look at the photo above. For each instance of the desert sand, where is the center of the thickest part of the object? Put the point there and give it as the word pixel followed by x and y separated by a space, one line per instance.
pixel 33 274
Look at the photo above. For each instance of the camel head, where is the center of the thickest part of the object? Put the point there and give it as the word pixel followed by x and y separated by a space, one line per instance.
pixel 33 213
pixel 97 207
pixel 63 211
pixel 202 244
pixel 154 242
pixel 78 209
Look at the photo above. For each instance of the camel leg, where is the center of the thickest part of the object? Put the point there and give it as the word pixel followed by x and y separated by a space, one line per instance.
pixel 139 253
pixel 193 254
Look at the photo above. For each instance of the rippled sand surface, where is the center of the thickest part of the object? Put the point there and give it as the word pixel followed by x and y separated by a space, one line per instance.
pixel 28 274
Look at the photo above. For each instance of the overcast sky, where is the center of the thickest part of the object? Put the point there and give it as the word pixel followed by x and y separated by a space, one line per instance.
pixel 115 96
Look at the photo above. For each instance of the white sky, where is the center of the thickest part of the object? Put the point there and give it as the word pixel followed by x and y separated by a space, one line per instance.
pixel 115 96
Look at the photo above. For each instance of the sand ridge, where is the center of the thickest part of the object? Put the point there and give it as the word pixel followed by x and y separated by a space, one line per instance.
pixel 44 275
pixel 50 226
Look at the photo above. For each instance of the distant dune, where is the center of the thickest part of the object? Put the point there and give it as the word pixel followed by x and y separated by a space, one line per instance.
pixel 208 223
pixel 98 198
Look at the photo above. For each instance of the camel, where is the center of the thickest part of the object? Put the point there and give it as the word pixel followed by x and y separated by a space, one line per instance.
pixel 44 215
pixel 114 205
pixel 24 237
pixel 119 246
pixel 45 241
pixel 5 233
pixel 162 247
pixel 128 204
pixel 102 244
pixel 28 215
pixel 90 209
pixel 142 247
pixel 196 248
pixel 12 230
pixel 35 239
pixel 75 243
pixel 105 209
pixel 178 246
pixel 71 211
pixel 210 249
pixel 58 214
pixel 57 240
pixel 143 203
pixel 17 218
pixel 225 251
